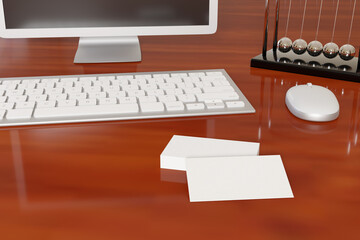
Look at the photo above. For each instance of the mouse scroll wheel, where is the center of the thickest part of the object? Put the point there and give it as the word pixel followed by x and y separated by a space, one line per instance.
pixel 309 84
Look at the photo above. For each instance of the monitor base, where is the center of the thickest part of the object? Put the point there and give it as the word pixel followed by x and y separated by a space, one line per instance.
pixel 108 49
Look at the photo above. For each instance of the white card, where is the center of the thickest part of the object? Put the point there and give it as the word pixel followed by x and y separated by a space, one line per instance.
pixel 180 147
pixel 237 178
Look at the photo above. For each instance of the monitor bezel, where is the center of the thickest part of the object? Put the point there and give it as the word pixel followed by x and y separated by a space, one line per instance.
pixel 112 31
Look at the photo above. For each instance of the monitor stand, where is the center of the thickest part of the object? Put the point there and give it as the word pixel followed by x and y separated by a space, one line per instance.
pixel 108 49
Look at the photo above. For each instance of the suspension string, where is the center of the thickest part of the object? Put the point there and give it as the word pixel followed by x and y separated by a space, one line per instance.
pixel 302 25
pixel 352 21
pixel 288 18
pixel 337 9
pixel 319 18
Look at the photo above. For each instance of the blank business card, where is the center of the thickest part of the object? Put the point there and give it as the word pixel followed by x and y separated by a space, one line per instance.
pixel 237 178
pixel 180 147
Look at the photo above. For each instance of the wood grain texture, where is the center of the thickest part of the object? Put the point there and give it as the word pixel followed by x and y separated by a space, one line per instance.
pixel 103 180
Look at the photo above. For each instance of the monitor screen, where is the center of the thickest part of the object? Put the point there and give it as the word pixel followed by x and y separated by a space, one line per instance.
pixel 26 14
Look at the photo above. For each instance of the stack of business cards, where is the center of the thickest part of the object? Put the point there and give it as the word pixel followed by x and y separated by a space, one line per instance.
pixel 181 147
pixel 220 170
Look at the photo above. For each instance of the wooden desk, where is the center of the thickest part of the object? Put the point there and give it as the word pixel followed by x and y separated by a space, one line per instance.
pixel 103 180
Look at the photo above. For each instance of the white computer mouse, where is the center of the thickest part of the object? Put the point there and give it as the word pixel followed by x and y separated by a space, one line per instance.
pixel 312 103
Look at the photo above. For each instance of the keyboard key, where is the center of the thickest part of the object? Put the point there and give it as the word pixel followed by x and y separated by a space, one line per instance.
pixel 77 96
pixel 107 101
pixel 71 90
pixel 9 87
pixel 223 96
pixel 22 98
pixel 45 85
pixel 152 107
pixel 167 98
pixel 157 92
pixel 179 75
pixel 7 106
pixel 117 94
pixel 143 76
pixel 147 99
pixel 111 89
pixel 87 79
pixel 195 106
pixel 176 91
pixel 82 111
pixel 191 79
pixel 23 105
pixel 225 83
pixel 58 97
pixel 87 102
pixel 17 114
pixel 26 86
pixel 125 77
pixel 83 84
pixel 130 87
pixel 124 100
pixel 175 80
pixel 174 106
pixel 54 91
pixel 161 75
pixel 46 104
pixel 217 84
pixel 49 80
pixel 197 74
pixel 97 95
pixel 187 98
pixel 138 81
pixel 3 99
pixel 92 89
pixel 66 103
pixel 215 105
pixel 32 92
pixel 214 73
pixel 11 82
pixel 218 89
pixel 38 98
pixel 156 80
pixel 31 81
pixel 15 92
pixel 106 78
pixel 64 84
pixel 2 114
pixel 149 86
pixel 192 90
pixel 135 93
pixel 70 79
pixel 102 83
pixel 166 86
pixel 235 104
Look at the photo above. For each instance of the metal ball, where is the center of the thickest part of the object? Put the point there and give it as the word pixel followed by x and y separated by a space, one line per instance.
pixel 329 66
pixel 345 68
pixel 314 64
pixel 284 60
pixel 299 46
pixel 315 48
pixel 347 52
pixel 284 44
pixel 299 62
pixel 331 50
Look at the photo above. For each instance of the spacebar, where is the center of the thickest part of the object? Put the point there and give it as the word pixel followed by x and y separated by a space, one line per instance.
pixel 82 111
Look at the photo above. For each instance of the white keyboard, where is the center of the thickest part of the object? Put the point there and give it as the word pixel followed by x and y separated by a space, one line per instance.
pixel 109 97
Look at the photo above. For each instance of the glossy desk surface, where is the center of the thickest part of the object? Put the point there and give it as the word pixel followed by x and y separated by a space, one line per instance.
pixel 103 180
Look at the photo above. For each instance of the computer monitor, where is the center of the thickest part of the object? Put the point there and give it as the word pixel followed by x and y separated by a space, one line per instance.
pixel 108 29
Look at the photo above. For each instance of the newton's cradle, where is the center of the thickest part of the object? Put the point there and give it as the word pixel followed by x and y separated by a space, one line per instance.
pixel 312 58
